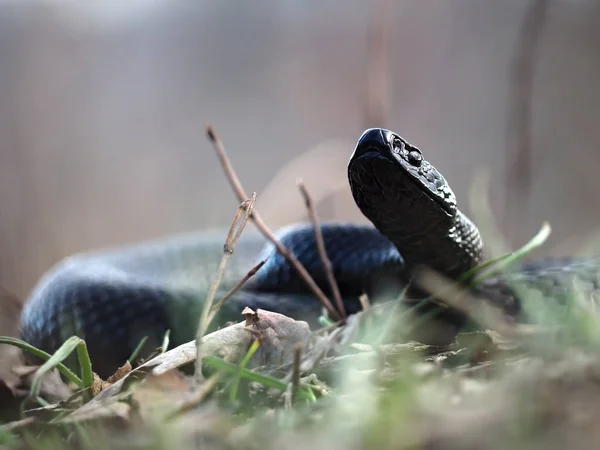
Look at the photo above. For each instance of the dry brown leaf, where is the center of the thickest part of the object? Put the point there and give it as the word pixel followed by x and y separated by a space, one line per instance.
pixel 52 388
pixel 230 343
pixel 120 373
pixel 101 385
pixel 159 394
pixel 51 411
pixel 116 412
pixel 278 335
pixel 118 387
pixel 98 385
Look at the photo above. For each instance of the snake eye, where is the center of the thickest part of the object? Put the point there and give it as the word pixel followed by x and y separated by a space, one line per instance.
pixel 415 157
pixel 411 154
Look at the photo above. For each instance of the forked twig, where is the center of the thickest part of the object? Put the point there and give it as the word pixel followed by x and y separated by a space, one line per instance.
pixel 337 296
pixel 264 229
pixel 235 231
pixel 234 289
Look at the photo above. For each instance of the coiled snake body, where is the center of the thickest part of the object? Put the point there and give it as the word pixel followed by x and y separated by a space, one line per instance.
pixel 114 298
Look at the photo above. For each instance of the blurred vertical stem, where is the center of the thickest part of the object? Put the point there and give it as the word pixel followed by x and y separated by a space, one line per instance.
pixel 377 77
pixel 519 154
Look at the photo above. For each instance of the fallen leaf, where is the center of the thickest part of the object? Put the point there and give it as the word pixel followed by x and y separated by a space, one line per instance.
pixel 159 394
pixel 120 373
pixel 230 343
pixel 278 335
pixel 117 412
pixel 53 389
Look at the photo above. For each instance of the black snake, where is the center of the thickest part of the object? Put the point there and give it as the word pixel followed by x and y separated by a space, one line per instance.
pixel 114 298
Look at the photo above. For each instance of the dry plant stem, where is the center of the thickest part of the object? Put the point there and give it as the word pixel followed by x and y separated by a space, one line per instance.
pixel 205 389
pixel 241 194
pixel 296 368
pixel 246 208
pixel 337 296
pixel 233 236
pixel 236 288
pixel 237 226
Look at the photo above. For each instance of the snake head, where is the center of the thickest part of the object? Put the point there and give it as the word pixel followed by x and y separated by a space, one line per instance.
pixel 409 160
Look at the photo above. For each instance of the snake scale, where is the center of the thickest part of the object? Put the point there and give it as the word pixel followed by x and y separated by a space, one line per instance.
pixel 113 298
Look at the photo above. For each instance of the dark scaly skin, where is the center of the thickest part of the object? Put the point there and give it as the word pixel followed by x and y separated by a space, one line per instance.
pixel 411 203
pixel 556 281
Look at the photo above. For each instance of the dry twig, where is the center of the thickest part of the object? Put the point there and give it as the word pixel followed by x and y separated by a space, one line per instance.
pixel 264 229
pixel 296 368
pixel 236 288
pixel 337 296
pixel 237 226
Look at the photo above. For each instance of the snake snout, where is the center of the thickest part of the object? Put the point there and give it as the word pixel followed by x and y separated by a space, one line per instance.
pixel 376 140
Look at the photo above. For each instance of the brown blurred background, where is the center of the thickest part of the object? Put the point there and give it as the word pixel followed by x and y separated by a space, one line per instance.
pixel 103 107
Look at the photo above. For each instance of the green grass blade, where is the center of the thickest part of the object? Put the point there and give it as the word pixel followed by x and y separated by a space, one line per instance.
pixel 236 382
pixel 58 357
pixel 266 380
pixel 85 364
pixel 64 370
pixel 498 265
pixel 137 350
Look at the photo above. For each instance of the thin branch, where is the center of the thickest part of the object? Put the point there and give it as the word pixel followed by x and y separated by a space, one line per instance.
pixel 264 229
pixel 519 134
pixel 236 288
pixel 237 226
pixel 337 296
pixel 296 368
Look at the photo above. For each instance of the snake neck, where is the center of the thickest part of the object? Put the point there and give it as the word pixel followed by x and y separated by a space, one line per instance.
pixel 411 204
pixel 450 249
pixel 458 250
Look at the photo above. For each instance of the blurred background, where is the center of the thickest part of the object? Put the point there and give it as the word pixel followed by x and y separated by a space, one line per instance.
pixel 104 105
